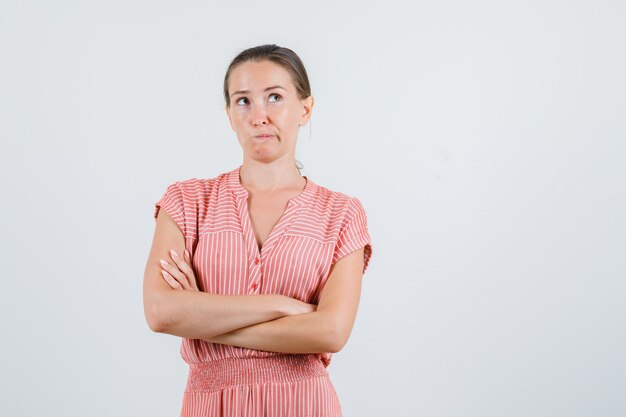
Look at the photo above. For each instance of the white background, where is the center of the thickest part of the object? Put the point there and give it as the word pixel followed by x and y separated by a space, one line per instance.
pixel 485 139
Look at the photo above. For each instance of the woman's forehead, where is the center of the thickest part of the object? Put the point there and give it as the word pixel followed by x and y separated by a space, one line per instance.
pixel 259 76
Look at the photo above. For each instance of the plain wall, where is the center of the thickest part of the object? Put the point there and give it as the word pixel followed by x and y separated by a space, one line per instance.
pixel 486 141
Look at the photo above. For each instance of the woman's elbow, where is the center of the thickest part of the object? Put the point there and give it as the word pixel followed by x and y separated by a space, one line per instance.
pixel 337 338
pixel 156 314
pixel 334 347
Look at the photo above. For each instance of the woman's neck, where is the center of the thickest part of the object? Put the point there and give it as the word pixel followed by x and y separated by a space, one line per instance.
pixel 278 175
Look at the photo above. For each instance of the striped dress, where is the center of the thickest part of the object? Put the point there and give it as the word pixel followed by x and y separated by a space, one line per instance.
pixel 318 227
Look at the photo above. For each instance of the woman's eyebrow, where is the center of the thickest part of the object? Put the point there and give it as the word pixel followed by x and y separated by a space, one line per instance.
pixel 247 91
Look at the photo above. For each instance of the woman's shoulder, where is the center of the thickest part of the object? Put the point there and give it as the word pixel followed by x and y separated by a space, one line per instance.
pixel 332 201
pixel 326 195
pixel 195 188
pixel 194 182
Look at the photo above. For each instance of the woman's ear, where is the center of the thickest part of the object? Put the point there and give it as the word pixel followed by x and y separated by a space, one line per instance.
pixel 229 119
pixel 307 108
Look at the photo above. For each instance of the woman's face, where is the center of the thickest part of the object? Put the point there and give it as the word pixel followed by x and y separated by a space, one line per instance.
pixel 265 110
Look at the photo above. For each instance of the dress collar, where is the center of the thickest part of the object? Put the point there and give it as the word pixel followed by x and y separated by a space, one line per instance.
pixel 234 183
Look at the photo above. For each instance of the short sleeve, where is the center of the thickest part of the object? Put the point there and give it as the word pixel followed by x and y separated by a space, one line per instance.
pixel 354 234
pixel 174 204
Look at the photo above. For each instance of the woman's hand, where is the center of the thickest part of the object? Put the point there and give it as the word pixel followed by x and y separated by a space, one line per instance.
pixel 179 273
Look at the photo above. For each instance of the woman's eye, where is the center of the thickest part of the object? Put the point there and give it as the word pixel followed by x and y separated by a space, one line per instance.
pixel 242 98
pixel 275 95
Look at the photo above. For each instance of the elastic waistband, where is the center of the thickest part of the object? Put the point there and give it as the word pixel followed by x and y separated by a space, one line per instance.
pixel 224 373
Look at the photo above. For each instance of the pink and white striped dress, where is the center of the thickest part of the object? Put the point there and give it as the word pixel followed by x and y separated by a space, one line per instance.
pixel 318 227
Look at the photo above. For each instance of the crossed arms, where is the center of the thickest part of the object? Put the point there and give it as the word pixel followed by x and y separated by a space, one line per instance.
pixel 174 305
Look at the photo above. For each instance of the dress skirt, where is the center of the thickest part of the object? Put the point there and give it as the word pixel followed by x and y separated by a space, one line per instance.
pixel 285 385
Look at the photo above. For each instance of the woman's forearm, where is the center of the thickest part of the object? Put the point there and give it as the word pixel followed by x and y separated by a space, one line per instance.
pixel 200 315
pixel 314 332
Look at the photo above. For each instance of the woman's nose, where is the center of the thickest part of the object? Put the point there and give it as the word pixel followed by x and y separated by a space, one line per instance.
pixel 259 115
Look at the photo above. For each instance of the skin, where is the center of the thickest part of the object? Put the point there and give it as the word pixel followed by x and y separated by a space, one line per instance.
pixel 173 302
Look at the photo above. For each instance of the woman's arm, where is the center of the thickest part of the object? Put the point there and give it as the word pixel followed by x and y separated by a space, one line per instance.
pixel 196 314
pixel 325 330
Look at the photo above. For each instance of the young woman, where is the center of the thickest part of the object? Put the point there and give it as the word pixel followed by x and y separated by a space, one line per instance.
pixel 259 269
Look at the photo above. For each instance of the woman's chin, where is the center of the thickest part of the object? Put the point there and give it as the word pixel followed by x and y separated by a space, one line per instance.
pixel 264 155
pixel 264 150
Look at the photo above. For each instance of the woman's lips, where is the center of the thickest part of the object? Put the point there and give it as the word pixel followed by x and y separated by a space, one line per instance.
pixel 264 136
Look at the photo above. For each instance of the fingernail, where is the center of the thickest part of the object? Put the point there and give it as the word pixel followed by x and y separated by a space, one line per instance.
pixel 187 254
pixel 174 254
pixel 163 261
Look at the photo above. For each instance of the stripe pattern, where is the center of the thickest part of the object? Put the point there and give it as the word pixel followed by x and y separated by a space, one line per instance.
pixel 318 227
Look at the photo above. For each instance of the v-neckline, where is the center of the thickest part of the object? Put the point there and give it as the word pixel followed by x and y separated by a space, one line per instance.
pixel 279 228
pixel 272 231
